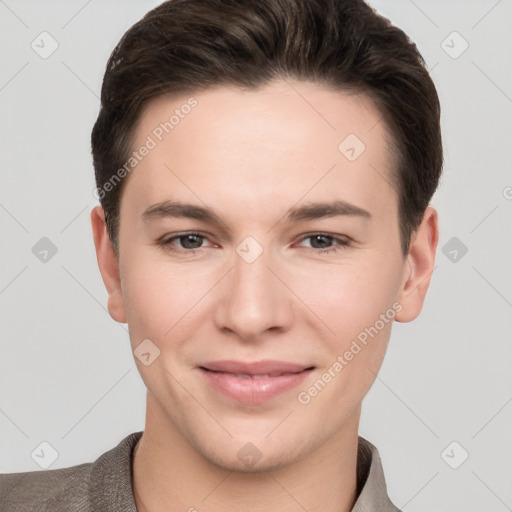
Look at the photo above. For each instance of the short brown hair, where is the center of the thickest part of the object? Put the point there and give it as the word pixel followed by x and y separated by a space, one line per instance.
pixel 187 45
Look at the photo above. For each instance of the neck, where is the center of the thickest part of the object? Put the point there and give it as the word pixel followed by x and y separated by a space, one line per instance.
pixel 169 474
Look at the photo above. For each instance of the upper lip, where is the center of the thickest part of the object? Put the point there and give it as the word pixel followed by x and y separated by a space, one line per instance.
pixel 255 367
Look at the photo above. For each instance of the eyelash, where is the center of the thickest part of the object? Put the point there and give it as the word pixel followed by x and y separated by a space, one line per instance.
pixel 166 244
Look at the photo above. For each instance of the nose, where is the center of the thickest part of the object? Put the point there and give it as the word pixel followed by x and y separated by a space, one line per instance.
pixel 254 299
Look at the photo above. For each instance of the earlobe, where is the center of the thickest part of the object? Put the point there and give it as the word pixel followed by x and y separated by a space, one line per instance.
pixel 419 268
pixel 108 263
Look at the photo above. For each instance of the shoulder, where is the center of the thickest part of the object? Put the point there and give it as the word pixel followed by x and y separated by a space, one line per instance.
pixel 101 485
pixel 44 490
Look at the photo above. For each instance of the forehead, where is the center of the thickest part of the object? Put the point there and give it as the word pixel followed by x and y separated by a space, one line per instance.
pixel 279 141
pixel 287 105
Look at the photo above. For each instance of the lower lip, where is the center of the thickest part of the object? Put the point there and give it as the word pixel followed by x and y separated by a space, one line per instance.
pixel 253 391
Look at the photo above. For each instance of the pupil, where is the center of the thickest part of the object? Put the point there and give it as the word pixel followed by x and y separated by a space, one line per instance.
pixel 191 238
pixel 319 237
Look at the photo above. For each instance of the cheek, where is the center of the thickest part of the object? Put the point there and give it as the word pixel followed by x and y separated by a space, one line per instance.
pixel 155 297
pixel 360 307
pixel 165 301
pixel 158 303
pixel 349 297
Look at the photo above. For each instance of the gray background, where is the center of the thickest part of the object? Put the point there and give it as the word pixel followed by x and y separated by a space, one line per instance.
pixel 67 375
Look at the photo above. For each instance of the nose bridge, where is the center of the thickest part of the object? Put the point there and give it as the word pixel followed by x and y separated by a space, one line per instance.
pixel 253 299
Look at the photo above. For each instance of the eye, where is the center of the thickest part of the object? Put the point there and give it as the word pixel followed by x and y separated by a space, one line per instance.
pixel 324 242
pixel 189 242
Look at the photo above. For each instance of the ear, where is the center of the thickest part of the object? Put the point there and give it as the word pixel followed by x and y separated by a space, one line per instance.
pixel 108 263
pixel 419 268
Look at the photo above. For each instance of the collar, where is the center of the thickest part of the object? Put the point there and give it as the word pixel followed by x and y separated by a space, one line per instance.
pixel 371 484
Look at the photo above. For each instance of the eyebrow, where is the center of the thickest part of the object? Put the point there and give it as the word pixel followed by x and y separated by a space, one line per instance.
pixel 309 211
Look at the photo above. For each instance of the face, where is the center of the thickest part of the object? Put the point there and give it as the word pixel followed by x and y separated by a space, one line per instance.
pixel 259 229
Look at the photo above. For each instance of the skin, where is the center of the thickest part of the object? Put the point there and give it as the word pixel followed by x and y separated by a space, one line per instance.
pixel 250 156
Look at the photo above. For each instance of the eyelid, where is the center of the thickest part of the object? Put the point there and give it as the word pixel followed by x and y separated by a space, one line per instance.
pixel 340 238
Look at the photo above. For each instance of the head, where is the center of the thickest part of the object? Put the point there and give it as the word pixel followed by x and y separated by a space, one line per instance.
pixel 247 112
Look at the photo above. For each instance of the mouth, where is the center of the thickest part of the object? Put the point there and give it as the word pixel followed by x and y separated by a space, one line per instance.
pixel 256 376
pixel 268 367
pixel 253 383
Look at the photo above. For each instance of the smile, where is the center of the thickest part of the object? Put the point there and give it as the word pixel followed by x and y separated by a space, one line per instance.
pixel 253 383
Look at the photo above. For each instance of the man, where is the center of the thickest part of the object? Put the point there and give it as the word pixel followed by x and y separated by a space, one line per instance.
pixel 264 171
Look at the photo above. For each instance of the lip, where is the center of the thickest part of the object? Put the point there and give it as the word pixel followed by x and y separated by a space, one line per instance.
pixel 237 381
pixel 255 367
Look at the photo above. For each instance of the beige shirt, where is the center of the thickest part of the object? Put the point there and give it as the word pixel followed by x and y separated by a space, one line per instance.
pixel 106 484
